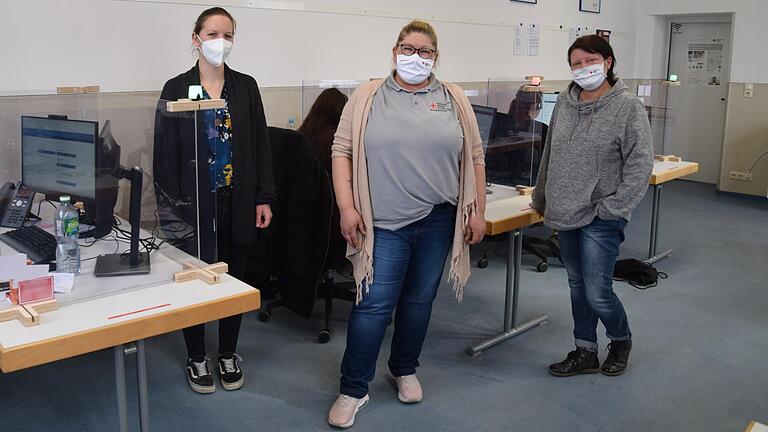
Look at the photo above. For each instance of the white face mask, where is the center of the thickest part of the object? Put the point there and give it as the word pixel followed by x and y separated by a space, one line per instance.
pixel 591 77
pixel 215 51
pixel 414 69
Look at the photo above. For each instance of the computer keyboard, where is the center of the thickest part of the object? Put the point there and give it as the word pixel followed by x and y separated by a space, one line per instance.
pixel 38 244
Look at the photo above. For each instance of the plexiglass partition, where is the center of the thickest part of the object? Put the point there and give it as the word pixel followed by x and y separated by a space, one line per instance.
pixel 514 131
pixel 138 170
pixel 312 89
pixel 657 96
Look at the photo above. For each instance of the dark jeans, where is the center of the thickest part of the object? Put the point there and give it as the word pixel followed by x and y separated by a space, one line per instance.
pixel 236 256
pixel 407 268
pixel 589 254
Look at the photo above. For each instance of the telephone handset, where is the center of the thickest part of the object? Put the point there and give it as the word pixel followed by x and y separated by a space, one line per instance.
pixel 15 201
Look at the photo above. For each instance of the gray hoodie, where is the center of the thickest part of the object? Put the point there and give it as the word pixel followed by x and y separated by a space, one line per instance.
pixel 597 159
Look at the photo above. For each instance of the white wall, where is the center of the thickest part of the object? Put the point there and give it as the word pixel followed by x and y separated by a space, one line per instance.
pixel 137 45
pixel 749 62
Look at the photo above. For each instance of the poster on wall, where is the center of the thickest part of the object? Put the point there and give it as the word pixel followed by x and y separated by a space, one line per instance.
pixel 534 39
pixel 605 34
pixel 705 62
pixel 589 6
pixel 519 48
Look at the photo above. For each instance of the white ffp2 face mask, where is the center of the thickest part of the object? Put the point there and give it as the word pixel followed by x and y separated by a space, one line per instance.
pixel 591 77
pixel 414 69
pixel 215 51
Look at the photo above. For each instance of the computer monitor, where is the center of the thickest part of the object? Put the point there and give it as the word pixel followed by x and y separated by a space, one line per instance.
pixel 485 116
pixel 548 101
pixel 70 157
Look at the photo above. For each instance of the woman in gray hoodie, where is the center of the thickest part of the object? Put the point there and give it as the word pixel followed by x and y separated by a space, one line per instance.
pixel 595 169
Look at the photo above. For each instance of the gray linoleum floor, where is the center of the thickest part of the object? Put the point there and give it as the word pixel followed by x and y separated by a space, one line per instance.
pixel 700 358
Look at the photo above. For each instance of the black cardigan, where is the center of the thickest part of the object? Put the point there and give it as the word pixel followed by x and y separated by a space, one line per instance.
pixel 174 158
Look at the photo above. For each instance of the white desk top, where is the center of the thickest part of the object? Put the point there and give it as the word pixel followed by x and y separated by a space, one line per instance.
pixel 105 312
pixel 506 209
pixel 666 171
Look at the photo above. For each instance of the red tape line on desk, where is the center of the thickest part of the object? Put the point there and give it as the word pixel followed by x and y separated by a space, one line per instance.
pixel 139 311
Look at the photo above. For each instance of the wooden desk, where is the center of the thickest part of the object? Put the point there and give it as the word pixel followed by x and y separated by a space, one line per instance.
pixel 662 173
pixel 120 313
pixel 517 143
pixel 508 212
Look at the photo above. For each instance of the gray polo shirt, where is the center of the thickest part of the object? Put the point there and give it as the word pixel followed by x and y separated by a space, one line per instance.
pixel 413 142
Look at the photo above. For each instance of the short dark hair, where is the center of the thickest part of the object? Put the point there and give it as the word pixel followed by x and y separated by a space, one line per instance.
pixel 595 44
pixel 209 13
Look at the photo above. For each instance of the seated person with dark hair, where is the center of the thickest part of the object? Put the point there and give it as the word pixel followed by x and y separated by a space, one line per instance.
pixel 320 126
pixel 519 164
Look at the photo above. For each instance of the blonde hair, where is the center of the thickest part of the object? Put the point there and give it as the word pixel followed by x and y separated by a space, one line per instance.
pixel 417 26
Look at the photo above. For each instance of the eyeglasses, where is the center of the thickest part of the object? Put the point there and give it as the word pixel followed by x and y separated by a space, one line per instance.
pixel 410 50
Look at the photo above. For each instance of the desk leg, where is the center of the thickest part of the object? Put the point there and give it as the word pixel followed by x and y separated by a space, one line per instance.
pixel 141 375
pixel 511 328
pixel 121 352
pixel 122 398
pixel 652 255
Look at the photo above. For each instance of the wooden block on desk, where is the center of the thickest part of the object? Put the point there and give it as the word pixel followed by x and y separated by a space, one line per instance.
pixel 30 317
pixel 218 268
pixel 199 273
pixel 18 313
pixel 183 105
pixel 10 313
pixel 668 158
pixel 77 90
pixel 524 190
pixel 43 306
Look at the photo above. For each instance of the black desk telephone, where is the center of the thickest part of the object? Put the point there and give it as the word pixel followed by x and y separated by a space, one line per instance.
pixel 15 200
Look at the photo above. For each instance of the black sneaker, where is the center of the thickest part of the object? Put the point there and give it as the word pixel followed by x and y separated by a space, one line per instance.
pixel 199 376
pixel 618 354
pixel 229 372
pixel 581 361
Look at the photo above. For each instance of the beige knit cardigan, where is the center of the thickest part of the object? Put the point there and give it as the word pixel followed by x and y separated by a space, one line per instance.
pixel 348 142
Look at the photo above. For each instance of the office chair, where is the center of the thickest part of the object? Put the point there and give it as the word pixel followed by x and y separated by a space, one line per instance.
pixel 530 245
pixel 298 251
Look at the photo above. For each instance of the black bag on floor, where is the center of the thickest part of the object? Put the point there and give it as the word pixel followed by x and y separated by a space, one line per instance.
pixel 639 274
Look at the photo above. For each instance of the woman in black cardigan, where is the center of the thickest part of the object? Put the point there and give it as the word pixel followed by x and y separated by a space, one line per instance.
pixel 233 187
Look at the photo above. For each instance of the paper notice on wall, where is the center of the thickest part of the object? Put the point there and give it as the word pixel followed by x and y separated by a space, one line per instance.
pixel 534 39
pixel 520 40
pixel 705 62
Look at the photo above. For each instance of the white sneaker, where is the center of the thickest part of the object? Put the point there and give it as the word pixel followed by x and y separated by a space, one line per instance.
pixel 408 388
pixel 343 411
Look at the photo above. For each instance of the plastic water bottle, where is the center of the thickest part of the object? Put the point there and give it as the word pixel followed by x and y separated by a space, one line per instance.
pixel 67 230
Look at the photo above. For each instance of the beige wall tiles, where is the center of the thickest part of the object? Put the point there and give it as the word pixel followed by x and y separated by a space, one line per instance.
pixel 746 136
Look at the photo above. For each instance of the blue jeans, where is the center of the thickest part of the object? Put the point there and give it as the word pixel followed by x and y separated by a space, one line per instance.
pixel 589 254
pixel 407 268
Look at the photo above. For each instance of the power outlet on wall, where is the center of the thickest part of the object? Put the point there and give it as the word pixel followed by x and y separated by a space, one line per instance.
pixel 748 90
pixel 743 176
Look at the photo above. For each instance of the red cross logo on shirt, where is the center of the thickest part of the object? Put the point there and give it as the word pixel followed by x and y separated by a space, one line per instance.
pixel 433 105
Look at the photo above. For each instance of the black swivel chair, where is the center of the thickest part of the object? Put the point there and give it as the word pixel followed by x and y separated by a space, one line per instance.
pixel 508 173
pixel 294 259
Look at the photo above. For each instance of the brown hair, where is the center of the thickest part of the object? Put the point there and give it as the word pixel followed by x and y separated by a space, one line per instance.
pixel 418 26
pixel 325 112
pixel 209 13
pixel 595 44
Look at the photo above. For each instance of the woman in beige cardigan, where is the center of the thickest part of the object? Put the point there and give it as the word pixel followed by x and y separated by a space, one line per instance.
pixel 409 177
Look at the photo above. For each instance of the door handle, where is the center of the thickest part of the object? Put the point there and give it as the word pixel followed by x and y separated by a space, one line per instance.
pixel 722 99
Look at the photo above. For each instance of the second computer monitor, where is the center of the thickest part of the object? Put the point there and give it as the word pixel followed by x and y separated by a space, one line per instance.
pixel 548 101
pixel 485 116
